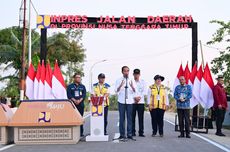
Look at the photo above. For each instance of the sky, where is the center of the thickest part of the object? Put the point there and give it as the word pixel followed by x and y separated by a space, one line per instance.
pixel 152 51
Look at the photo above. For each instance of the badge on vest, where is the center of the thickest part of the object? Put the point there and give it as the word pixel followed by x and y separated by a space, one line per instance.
pixel 158 97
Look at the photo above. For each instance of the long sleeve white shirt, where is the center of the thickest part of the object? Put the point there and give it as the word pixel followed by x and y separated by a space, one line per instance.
pixel 141 90
pixel 121 93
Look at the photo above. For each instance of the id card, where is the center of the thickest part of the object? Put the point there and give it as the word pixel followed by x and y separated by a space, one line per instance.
pixel 76 93
pixel 158 97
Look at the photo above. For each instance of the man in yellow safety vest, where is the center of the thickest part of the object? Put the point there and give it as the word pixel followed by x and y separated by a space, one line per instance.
pixel 102 89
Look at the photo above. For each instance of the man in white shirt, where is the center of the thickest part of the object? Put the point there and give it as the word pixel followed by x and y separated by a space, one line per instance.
pixel 139 102
pixel 125 89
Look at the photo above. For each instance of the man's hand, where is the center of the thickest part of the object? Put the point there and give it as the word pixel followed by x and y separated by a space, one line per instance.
pixel 220 106
pixel 150 107
pixel 167 108
pixel 122 83
pixel 182 99
pixel 77 102
pixel 137 99
pixel 131 84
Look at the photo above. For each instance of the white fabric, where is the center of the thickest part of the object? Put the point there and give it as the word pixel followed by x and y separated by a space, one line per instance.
pixel 36 82
pixel 206 95
pixel 141 90
pixel 121 93
pixel 176 83
pixel 29 88
pixel 48 92
pixel 193 100
pixel 58 89
pixel 41 90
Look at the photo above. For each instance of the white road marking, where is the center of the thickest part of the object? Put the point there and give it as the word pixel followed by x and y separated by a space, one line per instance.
pixel 206 139
pixel 7 147
pixel 212 142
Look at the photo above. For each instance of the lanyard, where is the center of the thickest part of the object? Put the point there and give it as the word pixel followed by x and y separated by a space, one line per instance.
pixel 77 88
pixel 101 88
pixel 158 90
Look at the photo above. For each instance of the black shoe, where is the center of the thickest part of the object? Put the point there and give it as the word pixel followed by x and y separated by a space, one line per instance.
pixel 82 135
pixel 105 134
pixel 220 134
pixel 121 137
pixel 131 138
pixel 153 135
pixel 161 135
pixel 181 136
pixel 134 135
pixel 188 136
pixel 141 135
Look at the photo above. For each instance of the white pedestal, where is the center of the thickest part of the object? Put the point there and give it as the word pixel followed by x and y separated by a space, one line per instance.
pixel 97 124
pixel 97 138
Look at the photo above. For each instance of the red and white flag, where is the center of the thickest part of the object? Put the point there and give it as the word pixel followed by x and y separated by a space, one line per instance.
pixel 58 83
pixel 187 73
pixel 48 83
pixel 196 85
pixel 179 74
pixel 30 82
pixel 41 86
pixel 206 88
pixel 36 81
pixel 193 101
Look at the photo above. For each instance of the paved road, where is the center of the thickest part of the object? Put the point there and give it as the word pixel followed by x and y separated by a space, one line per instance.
pixel 169 142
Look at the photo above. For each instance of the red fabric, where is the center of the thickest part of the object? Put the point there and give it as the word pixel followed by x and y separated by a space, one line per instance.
pixel 49 74
pixel 187 73
pixel 43 73
pixel 220 96
pixel 180 72
pixel 193 73
pixel 208 77
pixel 199 74
pixel 96 101
pixel 31 72
pixel 58 74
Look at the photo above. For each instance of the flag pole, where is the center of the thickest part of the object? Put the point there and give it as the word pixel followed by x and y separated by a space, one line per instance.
pixel 202 56
pixel 22 76
pixel 29 41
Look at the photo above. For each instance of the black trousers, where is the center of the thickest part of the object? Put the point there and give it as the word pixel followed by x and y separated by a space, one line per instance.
pixel 80 108
pixel 139 109
pixel 106 109
pixel 184 121
pixel 219 114
pixel 157 116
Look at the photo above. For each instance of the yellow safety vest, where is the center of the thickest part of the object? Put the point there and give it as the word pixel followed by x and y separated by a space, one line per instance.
pixel 155 101
pixel 101 91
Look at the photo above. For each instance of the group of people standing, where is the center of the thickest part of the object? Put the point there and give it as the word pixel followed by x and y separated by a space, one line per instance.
pixel 131 94
pixel 131 101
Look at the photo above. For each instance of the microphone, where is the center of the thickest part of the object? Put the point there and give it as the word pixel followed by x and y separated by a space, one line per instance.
pixel 126 88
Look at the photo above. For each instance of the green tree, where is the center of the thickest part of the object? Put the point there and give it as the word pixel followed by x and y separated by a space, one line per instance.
pixel 65 47
pixel 68 49
pixel 10 57
pixel 221 64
